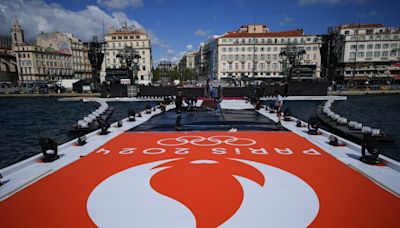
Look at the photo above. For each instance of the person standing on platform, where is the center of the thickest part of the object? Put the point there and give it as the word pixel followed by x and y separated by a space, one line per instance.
pixel 278 107
pixel 179 102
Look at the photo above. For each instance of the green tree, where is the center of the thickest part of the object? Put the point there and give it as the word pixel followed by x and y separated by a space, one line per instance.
pixel 188 74
pixel 156 75
pixel 174 74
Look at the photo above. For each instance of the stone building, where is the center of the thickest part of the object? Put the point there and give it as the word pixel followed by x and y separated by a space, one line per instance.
pixel 138 39
pixel 363 53
pixel 253 48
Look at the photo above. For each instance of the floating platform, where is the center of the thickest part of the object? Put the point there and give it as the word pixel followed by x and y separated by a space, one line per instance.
pixel 145 174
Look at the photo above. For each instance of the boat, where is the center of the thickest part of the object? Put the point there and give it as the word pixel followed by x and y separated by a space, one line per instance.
pixel 232 166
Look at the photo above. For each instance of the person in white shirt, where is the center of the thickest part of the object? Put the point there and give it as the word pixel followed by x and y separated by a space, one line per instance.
pixel 278 106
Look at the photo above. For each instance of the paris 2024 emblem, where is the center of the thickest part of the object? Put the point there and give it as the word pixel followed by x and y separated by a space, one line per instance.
pixel 205 191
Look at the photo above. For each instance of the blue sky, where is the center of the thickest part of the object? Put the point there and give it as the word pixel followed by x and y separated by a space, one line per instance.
pixel 178 25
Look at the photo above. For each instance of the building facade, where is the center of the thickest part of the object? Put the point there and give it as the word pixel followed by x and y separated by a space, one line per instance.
pixel 188 61
pixel 54 57
pixel 66 43
pixel 254 51
pixel 364 52
pixel 37 64
pixel 116 40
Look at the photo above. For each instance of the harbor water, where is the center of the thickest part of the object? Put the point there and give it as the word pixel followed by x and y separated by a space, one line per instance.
pixel 24 120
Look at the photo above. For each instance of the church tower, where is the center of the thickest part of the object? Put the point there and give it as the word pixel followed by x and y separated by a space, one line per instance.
pixel 17 34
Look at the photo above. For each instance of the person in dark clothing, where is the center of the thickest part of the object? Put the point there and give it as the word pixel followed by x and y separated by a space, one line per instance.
pixel 179 101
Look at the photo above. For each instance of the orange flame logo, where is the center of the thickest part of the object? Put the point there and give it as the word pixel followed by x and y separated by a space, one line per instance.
pixel 208 188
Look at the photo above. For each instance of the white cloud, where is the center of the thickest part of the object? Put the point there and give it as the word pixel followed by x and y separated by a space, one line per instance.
pixel 285 21
pixel 37 16
pixel 189 47
pixel 155 40
pixel 201 32
pixel 369 14
pixel 170 51
pixel 330 2
pixel 120 4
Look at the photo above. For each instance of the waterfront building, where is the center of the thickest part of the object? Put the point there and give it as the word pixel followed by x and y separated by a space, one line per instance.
pixel 5 42
pixel 66 43
pixel 38 64
pixel 187 61
pixel 364 53
pixel 17 34
pixel 138 39
pixel 205 59
pixel 187 66
pixel 253 52
pixel 54 56
pixel 8 66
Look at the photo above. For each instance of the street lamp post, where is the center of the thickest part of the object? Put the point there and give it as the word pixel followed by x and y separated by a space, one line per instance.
pixel 130 58
pixel 293 56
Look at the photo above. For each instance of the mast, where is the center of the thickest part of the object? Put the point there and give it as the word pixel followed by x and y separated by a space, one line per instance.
pixel 355 57
pixel 254 50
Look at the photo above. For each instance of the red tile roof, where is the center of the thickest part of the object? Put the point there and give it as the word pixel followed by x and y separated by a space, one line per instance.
pixel 264 34
pixel 362 26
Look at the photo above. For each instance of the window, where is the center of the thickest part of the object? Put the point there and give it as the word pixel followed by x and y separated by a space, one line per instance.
pixel 223 57
pixel 315 48
pixel 385 54
pixel 249 49
pixel 309 48
pixel 377 46
pixel 262 66
pixel 236 66
pixel 361 46
pixel 242 66
pixel 360 54
pixel 314 56
pixel 352 54
pixel 369 54
pixel 223 49
pixel 353 47
pixel 370 31
pixel 113 37
pixel 392 53
pixel 393 45
pixel 347 32
pixel 377 54
pixel 370 46
pixel 385 46
pixel 229 66
pixel 230 49
pixel 275 49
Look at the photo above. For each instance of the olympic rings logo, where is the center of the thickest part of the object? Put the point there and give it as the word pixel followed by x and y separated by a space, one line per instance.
pixel 203 141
